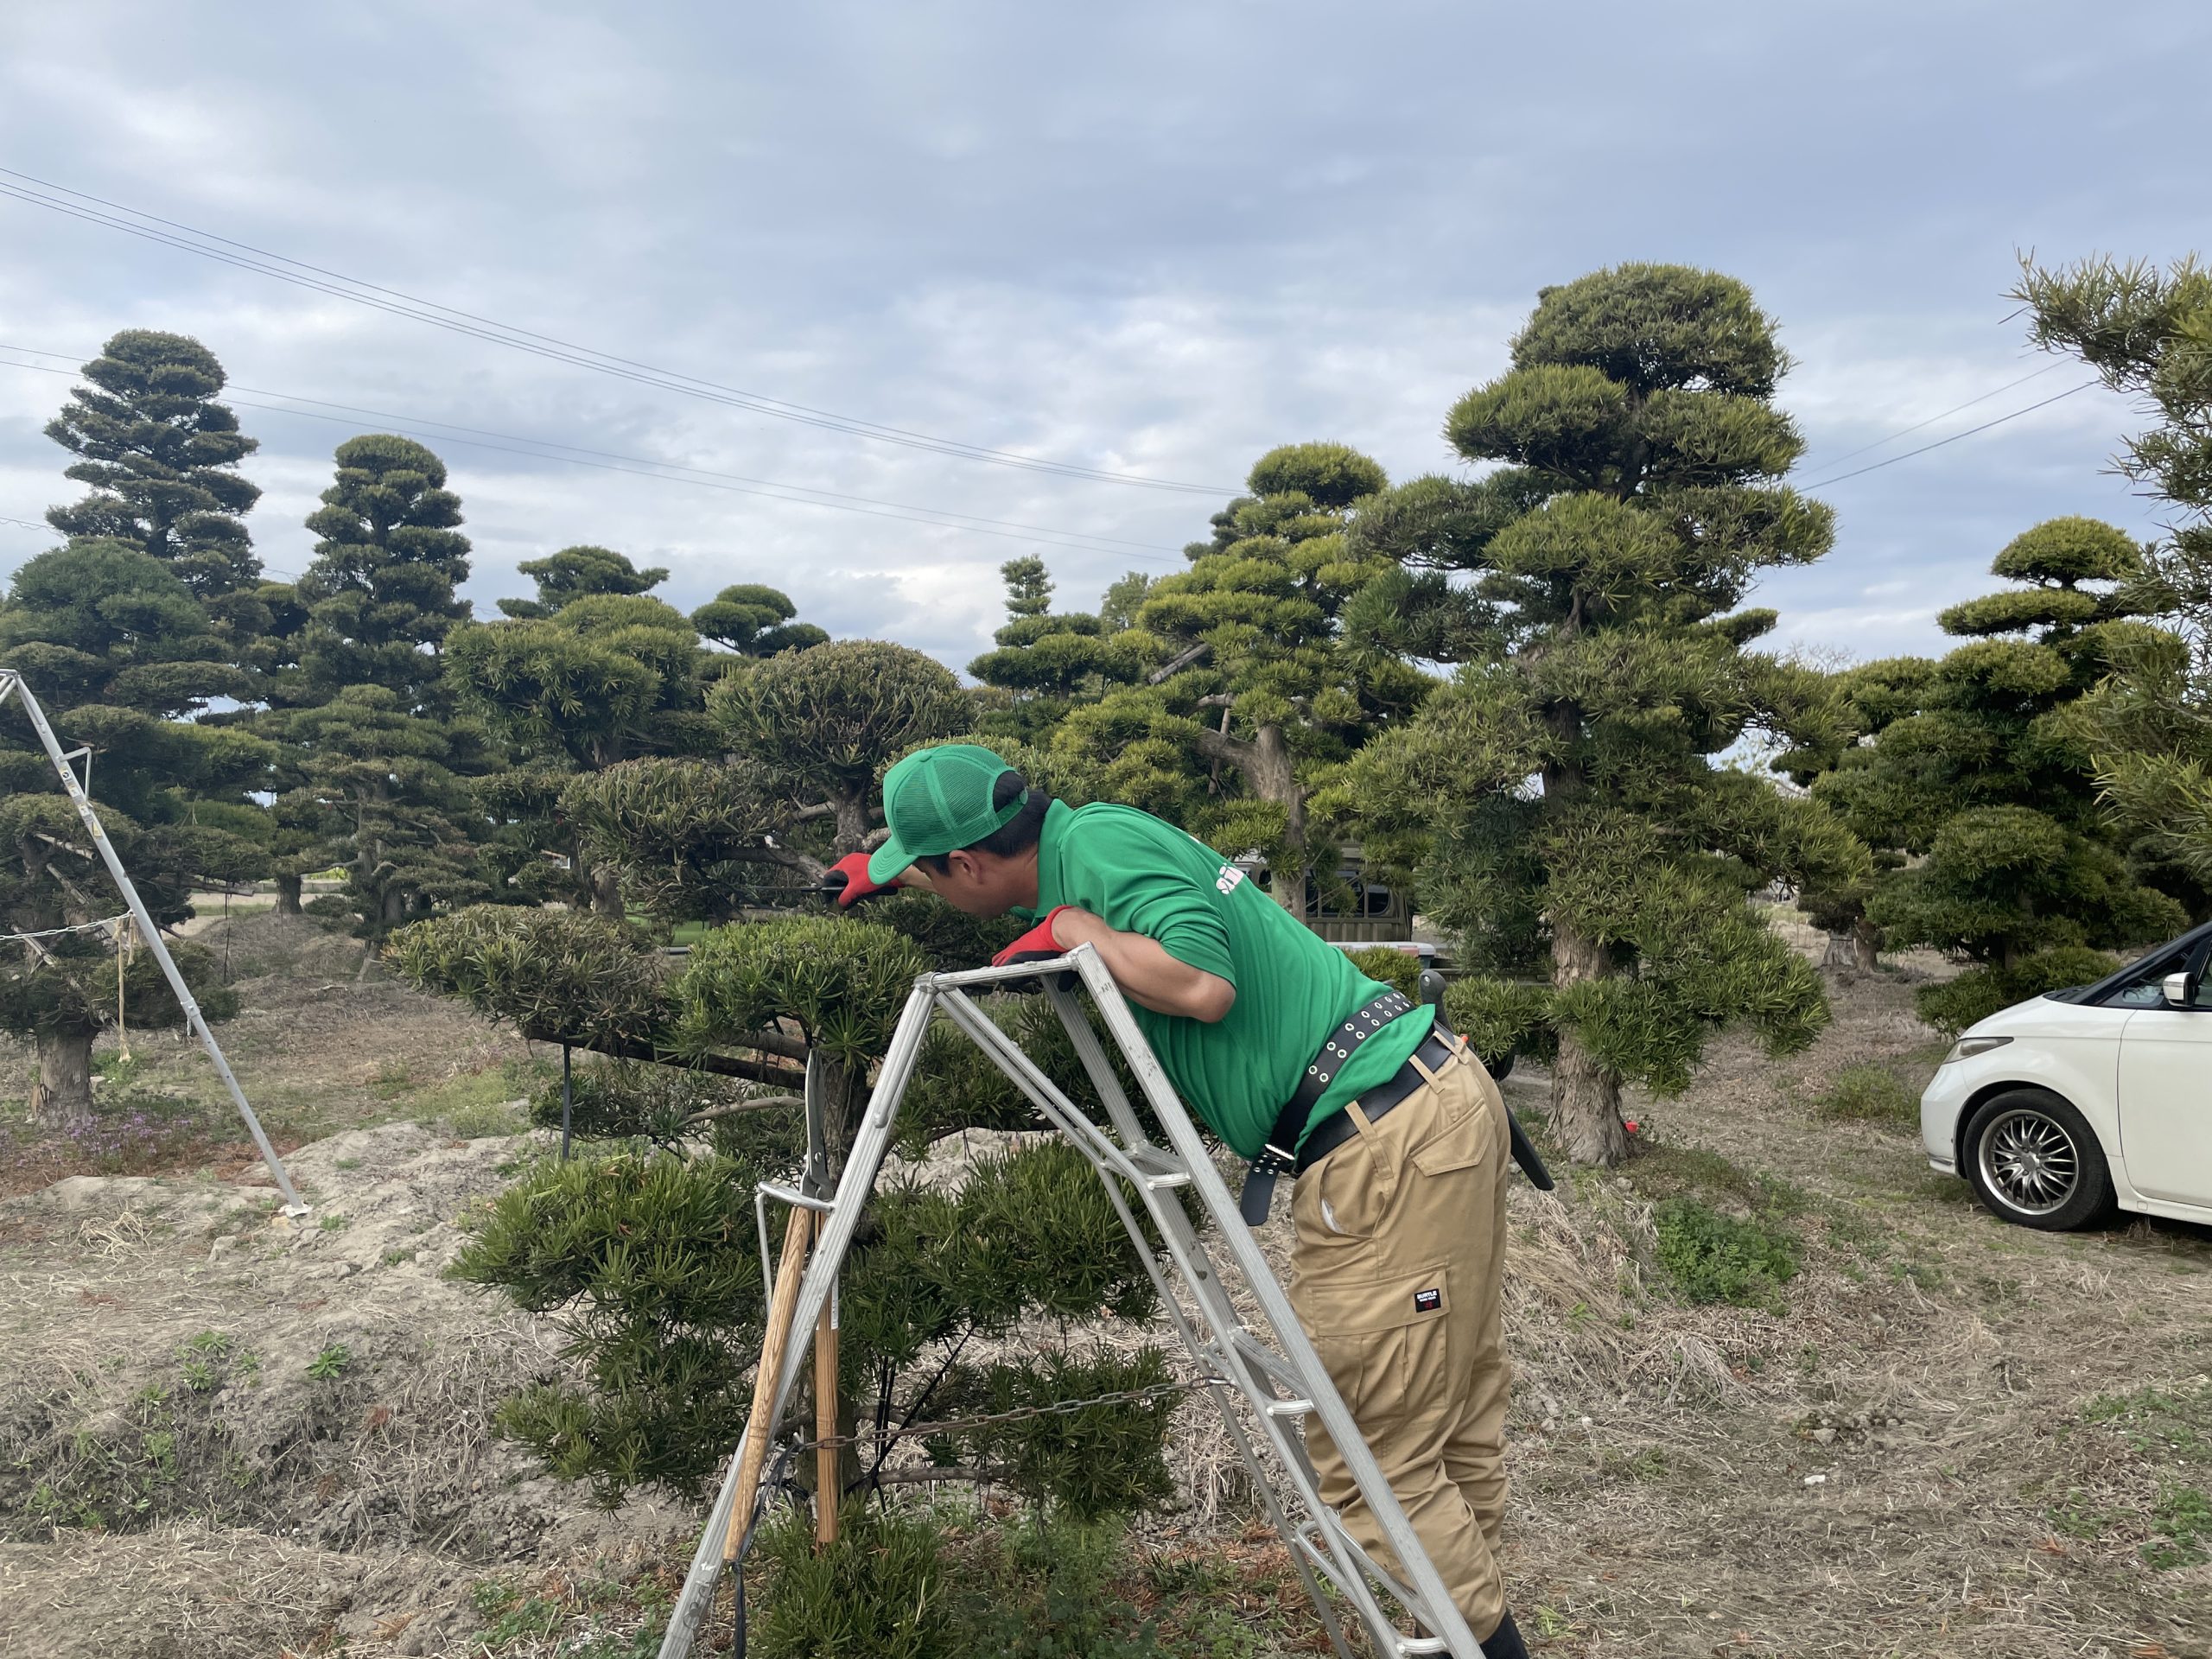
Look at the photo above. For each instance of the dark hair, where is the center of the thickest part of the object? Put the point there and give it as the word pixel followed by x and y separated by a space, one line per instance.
pixel 1017 835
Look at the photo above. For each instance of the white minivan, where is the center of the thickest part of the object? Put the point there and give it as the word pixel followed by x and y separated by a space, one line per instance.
pixel 2057 1110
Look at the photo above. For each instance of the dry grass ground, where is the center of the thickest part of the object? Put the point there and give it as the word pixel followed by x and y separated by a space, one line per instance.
pixel 1941 1437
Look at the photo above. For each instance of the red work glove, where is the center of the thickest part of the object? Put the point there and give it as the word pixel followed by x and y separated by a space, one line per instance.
pixel 848 879
pixel 1038 945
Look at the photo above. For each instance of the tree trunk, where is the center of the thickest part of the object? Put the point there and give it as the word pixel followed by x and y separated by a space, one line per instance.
pixel 1586 1097
pixel 1866 945
pixel 1271 772
pixel 850 808
pixel 287 895
pixel 62 1099
pixel 606 891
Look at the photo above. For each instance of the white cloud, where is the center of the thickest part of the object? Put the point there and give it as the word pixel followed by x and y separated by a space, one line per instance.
pixel 1155 239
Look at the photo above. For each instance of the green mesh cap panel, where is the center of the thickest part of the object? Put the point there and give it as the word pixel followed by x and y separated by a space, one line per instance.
pixel 937 799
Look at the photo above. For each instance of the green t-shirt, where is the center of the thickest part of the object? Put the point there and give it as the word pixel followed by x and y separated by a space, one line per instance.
pixel 1142 875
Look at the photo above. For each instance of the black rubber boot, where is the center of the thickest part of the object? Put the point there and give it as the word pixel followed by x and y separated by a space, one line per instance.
pixel 1504 1642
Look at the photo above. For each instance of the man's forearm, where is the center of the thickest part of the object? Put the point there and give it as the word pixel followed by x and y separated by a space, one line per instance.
pixel 1147 975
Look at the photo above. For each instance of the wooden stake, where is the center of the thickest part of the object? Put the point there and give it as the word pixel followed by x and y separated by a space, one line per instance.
pixel 781 1312
pixel 829 1483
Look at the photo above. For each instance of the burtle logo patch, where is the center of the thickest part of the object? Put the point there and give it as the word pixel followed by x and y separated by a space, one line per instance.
pixel 1428 1302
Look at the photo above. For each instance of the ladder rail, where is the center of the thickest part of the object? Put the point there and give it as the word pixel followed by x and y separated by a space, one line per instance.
pixel 1322 1544
pixel 1234 1348
pixel 1172 1308
pixel 1435 1606
pixel 11 681
pixel 863 1163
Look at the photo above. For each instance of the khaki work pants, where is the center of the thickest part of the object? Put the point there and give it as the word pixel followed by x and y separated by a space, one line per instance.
pixel 1401 1244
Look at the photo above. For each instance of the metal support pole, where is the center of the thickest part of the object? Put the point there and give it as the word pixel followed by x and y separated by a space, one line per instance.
pixel 12 681
pixel 567 1102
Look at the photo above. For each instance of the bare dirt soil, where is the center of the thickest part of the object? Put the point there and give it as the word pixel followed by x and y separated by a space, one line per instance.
pixel 225 1434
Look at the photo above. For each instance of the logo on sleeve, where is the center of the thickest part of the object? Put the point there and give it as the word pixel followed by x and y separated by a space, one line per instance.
pixel 1428 1302
pixel 1229 878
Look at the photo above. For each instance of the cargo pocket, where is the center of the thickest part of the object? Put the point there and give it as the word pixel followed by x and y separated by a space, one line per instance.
pixel 1384 1346
pixel 1453 1138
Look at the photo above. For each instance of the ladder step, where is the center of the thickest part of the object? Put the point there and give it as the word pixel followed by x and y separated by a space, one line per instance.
pixel 1160 1168
pixel 1277 1368
pixel 1308 1538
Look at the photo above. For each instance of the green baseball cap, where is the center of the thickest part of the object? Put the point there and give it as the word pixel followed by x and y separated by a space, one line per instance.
pixel 937 799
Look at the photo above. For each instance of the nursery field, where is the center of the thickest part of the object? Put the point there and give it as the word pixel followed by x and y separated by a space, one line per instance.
pixel 1782 1390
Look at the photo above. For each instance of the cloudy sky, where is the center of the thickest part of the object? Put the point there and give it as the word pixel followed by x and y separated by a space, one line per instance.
pixel 1149 240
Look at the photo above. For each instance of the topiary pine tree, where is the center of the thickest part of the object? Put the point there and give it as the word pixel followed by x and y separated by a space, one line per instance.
pixel 161 455
pixel 579 573
pixel 2145 726
pixel 1256 693
pixel 1045 661
pixel 824 720
pixel 609 677
pixel 1560 796
pixel 376 761
pixel 755 621
pixel 380 595
pixel 1987 790
pixel 118 651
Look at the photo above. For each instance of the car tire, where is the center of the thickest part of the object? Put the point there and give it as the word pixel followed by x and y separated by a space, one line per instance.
pixel 2034 1161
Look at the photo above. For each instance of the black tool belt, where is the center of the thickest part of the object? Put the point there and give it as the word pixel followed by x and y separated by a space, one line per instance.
pixel 1280 1152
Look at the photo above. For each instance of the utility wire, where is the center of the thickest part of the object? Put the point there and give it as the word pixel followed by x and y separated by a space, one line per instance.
pixel 1822 484
pixel 1906 431
pixel 668 472
pixel 191 239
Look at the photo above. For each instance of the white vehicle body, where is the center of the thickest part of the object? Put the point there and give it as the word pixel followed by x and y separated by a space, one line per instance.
pixel 2131 1054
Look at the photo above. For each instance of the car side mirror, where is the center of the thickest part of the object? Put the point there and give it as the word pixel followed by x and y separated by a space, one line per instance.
pixel 2179 989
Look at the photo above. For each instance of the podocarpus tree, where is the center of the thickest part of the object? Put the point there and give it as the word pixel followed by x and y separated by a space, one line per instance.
pixel 381 593
pixel 1986 788
pixel 2148 727
pixel 826 719
pixel 753 620
pixel 1044 660
pixel 117 649
pixel 1561 797
pixel 1255 692
pixel 161 455
pixel 609 677
pixel 579 573
pixel 375 759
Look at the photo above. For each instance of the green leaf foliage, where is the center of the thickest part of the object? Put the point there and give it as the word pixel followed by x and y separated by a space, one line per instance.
pixel 1714 1258
pixel 161 456
pixel 1977 787
pixel 558 975
pixel 842 982
pixel 2144 725
pixel 1559 800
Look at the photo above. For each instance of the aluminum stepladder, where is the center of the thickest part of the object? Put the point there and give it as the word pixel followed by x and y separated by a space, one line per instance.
pixel 1268 1364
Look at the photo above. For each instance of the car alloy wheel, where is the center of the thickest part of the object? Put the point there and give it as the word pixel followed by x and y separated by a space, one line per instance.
pixel 2029 1160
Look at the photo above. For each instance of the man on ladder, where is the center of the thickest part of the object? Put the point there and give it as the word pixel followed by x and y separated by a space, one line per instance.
pixel 1299 1062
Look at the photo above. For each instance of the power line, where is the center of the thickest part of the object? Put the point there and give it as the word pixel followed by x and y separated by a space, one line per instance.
pixel 669 472
pixel 25 524
pixel 1822 484
pixel 1906 431
pixel 190 239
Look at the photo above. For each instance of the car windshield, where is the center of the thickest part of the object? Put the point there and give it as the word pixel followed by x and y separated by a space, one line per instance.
pixel 2145 987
